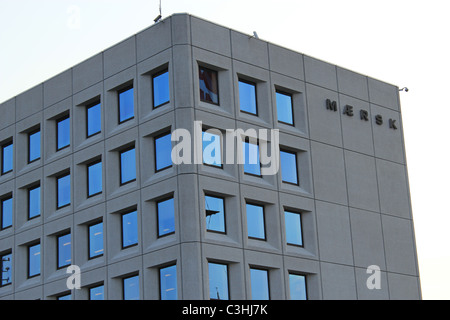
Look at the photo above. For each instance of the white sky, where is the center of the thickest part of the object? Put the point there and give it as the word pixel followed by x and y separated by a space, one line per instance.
pixel 403 42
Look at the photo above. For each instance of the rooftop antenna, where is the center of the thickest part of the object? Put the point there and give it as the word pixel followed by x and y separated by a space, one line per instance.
pixel 160 14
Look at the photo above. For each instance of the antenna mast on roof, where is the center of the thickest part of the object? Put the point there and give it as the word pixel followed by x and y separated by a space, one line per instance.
pixel 160 14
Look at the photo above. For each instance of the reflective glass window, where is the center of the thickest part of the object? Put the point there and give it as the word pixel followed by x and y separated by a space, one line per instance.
pixel 218 281
pixel 127 166
pixel 251 158
pixel 161 91
pixel 293 225
pixel 7 157
pixel 215 214
pixel 63 189
pixel 288 164
pixel 7 212
pixel 64 250
pixel 93 119
pixel 131 288
pixel 129 229
pixel 168 283
pixel 166 217
pixel 163 152
pixel 95 240
pixel 297 287
pixel 34 260
pixel 94 174
pixel 34 202
pixel 63 133
pixel 255 221
pixel 209 87
pixel 126 104
pixel 284 107
pixel 247 97
pixel 260 284
pixel 211 149
pixel 97 293
pixel 6 269
pixel 34 146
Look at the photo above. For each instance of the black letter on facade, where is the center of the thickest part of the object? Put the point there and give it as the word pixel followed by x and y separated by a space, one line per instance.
pixel 364 115
pixel 378 120
pixel 331 105
pixel 348 110
pixel 392 124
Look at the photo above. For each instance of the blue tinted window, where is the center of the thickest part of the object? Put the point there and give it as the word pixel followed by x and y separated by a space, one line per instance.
pixel 168 283
pixel 127 166
pixel 129 229
pixel 260 284
pixel 297 287
pixel 34 260
pixel 65 297
pixel 288 164
pixel 218 281
pixel 284 107
pixel 96 240
pixel 255 221
pixel 166 217
pixel 94 119
pixel 34 202
pixel 63 191
pixel 251 158
pixel 215 214
pixel 34 146
pixel 131 288
pixel 126 104
pixel 7 158
pixel 247 97
pixel 293 228
pixel 7 212
pixel 163 152
pixel 63 133
pixel 94 178
pixel 6 269
pixel 211 149
pixel 97 293
pixel 209 87
pixel 64 250
pixel 161 93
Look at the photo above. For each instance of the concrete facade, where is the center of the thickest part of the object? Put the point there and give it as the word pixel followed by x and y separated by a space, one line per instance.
pixel 353 191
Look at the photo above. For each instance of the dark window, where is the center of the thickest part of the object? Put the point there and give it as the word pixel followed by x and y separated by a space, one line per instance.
pixel 126 104
pixel 255 221
pixel 34 146
pixel 95 240
pixel 62 133
pixel 94 178
pixel 6 212
pixel 7 157
pixel 218 281
pixel 93 119
pixel 34 260
pixel 5 269
pixel 288 164
pixel 284 107
pixel 34 202
pixel 215 214
pixel 97 293
pixel 131 288
pixel 293 223
pixel 161 91
pixel 297 287
pixel 260 284
pixel 247 97
pixel 251 161
pixel 209 87
pixel 163 152
pixel 63 190
pixel 166 217
pixel 129 229
pixel 168 283
pixel 64 250
pixel 127 165
pixel 211 149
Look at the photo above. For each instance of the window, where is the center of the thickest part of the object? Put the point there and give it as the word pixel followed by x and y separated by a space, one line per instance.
pixel 163 152
pixel 34 260
pixel 131 288
pixel 218 281
pixel 260 284
pixel 63 190
pixel 62 133
pixel 255 221
pixel 34 202
pixel 211 149
pixel 209 87
pixel 97 293
pixel 166 217
pixel 215 214
pixel 168 283
pixel 93 119
pixel 288 164
pixel 126 104
pixel 247 97
pixel 7 157
pixel 95 240
pixel 129 229
pixel 94 178
pixel 284 107
pixel 127 165
pixel 66 296
pixel 64 250
pixel 5 269
pixel 6 212
pixel 161 91
pixel 293 225
pixel 34 146
pixel 297 287
pixel 251 162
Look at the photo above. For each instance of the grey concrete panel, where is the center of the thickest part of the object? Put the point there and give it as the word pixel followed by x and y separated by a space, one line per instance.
pixel 320 73
pixel 352 84
pixel 88 73
pixel 181 28
pixel 154 39
pixel 210 36
pixel 369 293
pixel 29 102
pixel 58 88
pixel 249 49
pixel 286 62
pixel 119 57
pixel 403 287
pixel 338 282
pixel 383 94
pixel 8 111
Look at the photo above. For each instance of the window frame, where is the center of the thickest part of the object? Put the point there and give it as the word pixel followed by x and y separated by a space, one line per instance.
pixel 166 133
pixel 88 179
pixel 254 84
pixel 278 91
pixel 88 107
pixel 155 75
pixel 119 92
pixel 122 151
pixel 58 238
pixel 58 177
pixel 296 167
pixel 31 133
pixel 29 189
pixel 2 200
pixel 263 220
pixel 58 121
pixel 200 67
pixel 89 226
pixel 3 147
pixel 302 245
pixel 158 235
pixel 122 229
